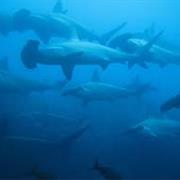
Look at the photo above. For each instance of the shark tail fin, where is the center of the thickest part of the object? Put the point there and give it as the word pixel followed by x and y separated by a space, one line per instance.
pixel 58 8
pixel 105 38
pixel 143 52
pixel 29 53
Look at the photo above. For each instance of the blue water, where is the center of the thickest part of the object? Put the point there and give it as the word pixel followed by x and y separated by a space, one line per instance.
pixel 132 158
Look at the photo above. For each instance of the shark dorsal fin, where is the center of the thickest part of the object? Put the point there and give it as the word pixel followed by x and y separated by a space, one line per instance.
pixel 95 76
pixel 58 8
pixel 143 52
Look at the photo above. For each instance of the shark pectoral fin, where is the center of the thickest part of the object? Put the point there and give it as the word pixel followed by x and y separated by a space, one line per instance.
pixel 105 64
pixel 68 70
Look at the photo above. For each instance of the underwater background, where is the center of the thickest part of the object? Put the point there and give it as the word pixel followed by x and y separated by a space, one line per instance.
pixel 38 126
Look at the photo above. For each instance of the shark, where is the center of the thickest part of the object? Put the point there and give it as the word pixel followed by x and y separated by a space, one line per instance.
pixel 44 25
pixel 155 128
pixel 13 83
pixel 158 54
pixel 39 174
pixel 75 52
pixel 57 24
pixel 173 102
pixel 107 172
pixel 6 24
pixel 141 87
pixel 96 90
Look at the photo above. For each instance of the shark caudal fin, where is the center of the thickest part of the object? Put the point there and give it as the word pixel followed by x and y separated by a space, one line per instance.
pixel 58 8
pixel 105 38
pixel 29 54
pixel 143 52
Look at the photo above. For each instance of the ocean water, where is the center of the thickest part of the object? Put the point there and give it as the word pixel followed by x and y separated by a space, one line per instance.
pixel 45 134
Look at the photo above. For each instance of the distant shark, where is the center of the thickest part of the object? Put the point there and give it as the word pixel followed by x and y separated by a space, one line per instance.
pixel 39 174
pixel 45 26
pixel 154 128
pixel 66 144
pixel 173 102
pixel 96 90
pixel 157 54
pixel 12 83
pixel 107 172
pixel 141 87
pixel 57 24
